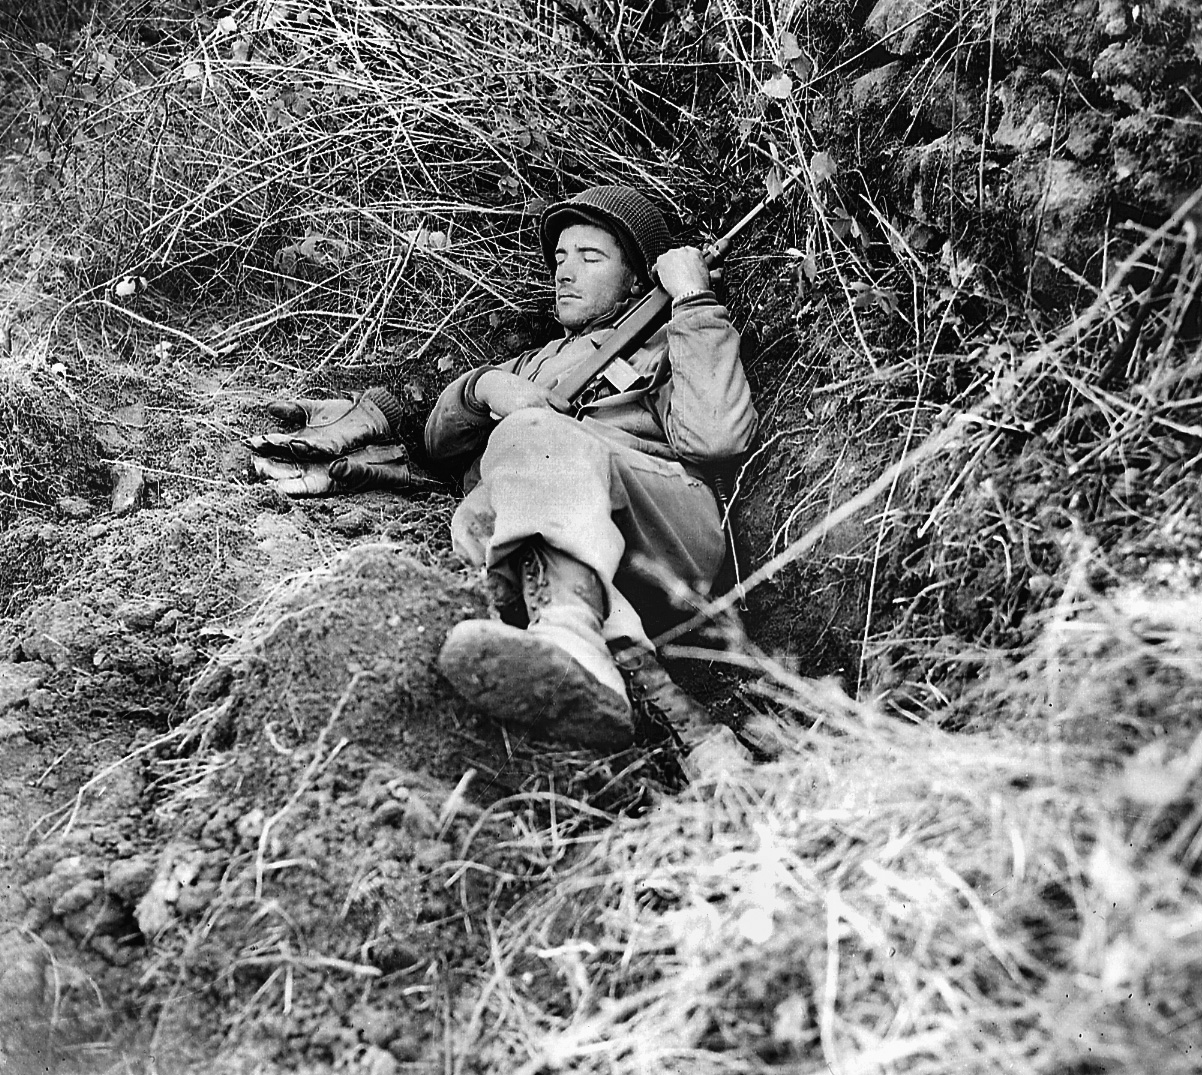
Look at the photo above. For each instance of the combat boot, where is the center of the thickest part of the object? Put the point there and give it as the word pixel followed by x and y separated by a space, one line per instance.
pixel 659 699
pixel 710 750
pixel 556 676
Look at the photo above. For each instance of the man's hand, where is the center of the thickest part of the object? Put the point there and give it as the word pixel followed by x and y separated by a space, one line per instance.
pixel 682 271
pixel 503 393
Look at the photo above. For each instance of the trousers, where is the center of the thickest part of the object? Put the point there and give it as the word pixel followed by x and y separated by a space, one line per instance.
pixel 651 531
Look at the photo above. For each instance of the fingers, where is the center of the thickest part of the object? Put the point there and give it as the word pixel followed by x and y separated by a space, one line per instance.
pixel 357 475
pixel 288 412
pixel 292 478
pixel 682 271
pixel 309 413
pixel 273 445
pixel 288 446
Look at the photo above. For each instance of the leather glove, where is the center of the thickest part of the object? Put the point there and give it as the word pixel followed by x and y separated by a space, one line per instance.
pixel 329 428
pixel 378 466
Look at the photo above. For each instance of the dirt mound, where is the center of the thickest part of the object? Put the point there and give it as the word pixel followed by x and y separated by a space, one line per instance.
pixel 324 729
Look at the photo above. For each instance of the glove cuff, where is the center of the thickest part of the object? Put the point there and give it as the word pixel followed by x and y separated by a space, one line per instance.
pixel 389 406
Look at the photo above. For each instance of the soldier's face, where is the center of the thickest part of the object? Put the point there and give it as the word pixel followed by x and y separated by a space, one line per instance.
pixel 591 275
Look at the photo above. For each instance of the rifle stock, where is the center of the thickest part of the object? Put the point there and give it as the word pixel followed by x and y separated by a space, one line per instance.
pixel 631 331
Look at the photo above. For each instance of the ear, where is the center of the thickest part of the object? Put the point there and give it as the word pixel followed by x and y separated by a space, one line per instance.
pixel 636 288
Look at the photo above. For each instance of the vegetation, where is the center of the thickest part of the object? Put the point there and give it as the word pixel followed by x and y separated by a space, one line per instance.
pixel 972 518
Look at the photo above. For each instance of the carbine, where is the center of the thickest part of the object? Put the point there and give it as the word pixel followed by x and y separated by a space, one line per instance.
pixel 633 329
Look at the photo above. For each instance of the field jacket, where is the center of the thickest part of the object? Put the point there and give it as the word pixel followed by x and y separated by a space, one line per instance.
pixel 690 402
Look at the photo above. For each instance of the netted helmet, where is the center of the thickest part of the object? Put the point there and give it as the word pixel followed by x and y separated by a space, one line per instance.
pixel 636 223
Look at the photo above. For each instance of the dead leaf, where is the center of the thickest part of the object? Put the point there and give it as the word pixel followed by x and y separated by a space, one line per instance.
pixel 789 48
pixel 774 184
pixel 823 167
pixel 802 68
pixel 791 56
pixel 778 87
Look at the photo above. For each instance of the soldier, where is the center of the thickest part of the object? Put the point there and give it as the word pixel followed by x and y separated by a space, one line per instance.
pixel 575 512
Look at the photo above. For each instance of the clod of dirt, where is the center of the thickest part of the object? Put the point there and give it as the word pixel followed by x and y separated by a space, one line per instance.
pixel 19 681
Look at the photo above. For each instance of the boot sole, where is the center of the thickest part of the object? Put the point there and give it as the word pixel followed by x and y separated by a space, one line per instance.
pixel 517 678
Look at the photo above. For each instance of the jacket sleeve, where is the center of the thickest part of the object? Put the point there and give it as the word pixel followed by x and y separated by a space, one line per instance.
pixel 459 424
pixel 705 408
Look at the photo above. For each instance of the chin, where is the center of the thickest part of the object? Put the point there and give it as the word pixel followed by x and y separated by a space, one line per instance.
pixel 569 319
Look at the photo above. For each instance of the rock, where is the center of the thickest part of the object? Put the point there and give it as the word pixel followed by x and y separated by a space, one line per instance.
pixel 1130 69
pixel 1113 19
pixel 129 485
pixel 878 87
pixel 250 826
pixel 169 621
pixel 377 1026
pixel 901 24
pixel 23 968
pixel 70 874
pixel 74 507
pixel 1028 111
pixel 925 172
pixel 111 951
pixel 195 899
pixel 1088 135
pixel 41 702
pixel 60 633
pixel 119 432
pixel 1066 203
pixel 77 897
pixel 97 530
pixel 390 812
pixel 1153 161
pixel 184 656
pixel 154 912
pixel 430 855
pixel 141 613
pixel 128 879
pixel 103 918
pixel 353 522
pixel 377 1061
pixel 19 681
pixel 947 103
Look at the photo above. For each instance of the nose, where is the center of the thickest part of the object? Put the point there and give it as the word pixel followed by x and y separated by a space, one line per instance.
pixel 564 271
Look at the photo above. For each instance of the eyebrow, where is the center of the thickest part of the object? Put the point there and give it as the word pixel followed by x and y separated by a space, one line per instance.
pixel 584 247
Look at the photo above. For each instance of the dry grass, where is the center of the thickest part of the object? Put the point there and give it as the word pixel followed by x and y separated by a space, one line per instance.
pixel 357 172
pixel 883 898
